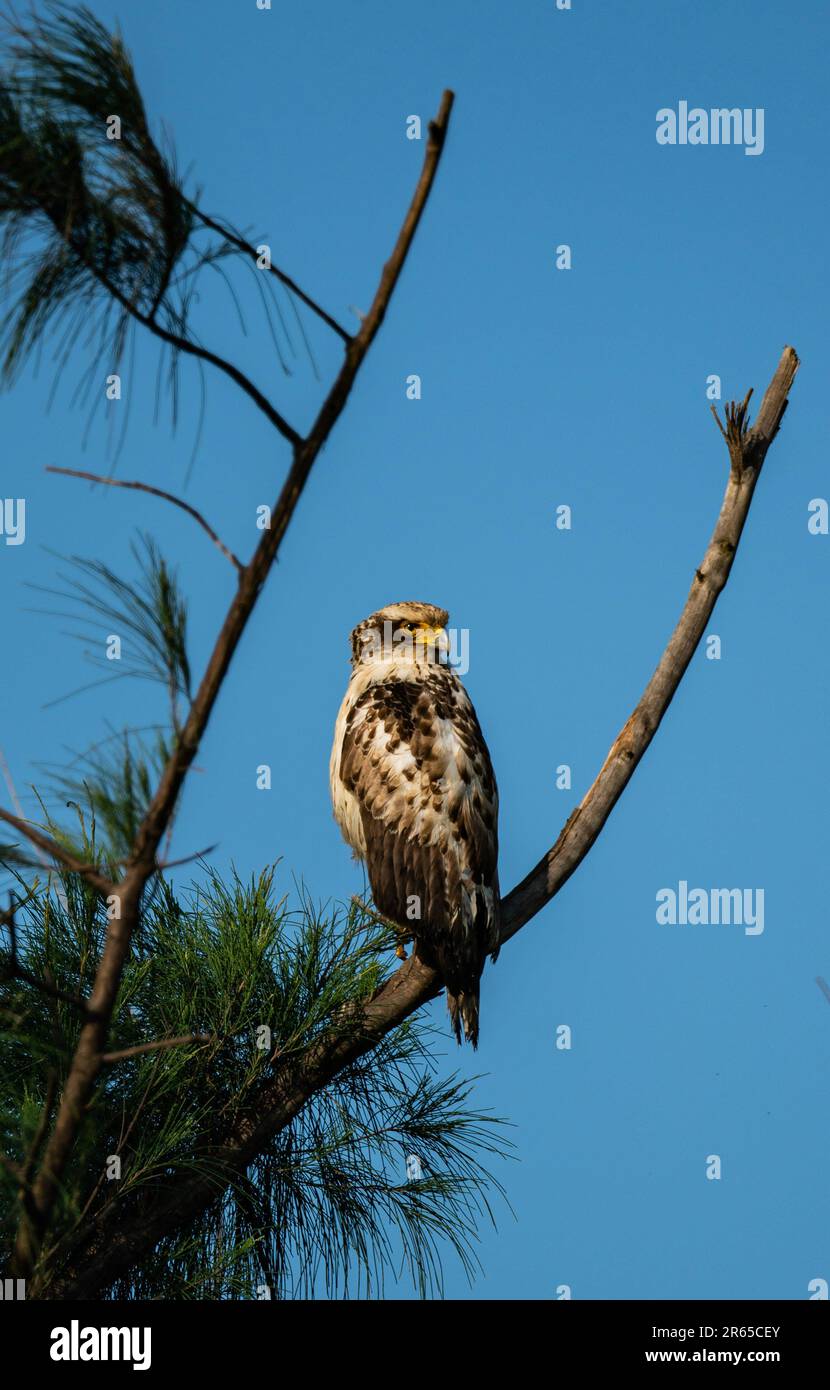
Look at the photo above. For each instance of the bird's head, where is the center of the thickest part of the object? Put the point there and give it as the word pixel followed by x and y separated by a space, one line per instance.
pixel 403 632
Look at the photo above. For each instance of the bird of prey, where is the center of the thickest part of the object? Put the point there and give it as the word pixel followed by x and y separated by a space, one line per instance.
pixel 414 794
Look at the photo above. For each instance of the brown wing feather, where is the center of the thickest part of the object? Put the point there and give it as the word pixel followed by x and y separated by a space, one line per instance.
pixel 415 760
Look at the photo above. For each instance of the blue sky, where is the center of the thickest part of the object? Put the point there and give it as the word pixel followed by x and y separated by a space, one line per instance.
pixel 540 388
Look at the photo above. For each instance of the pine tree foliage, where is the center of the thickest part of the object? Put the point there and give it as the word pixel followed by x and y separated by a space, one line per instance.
pixel 115 780
pixel 328 1208
pixel 97 231
pixel 147 610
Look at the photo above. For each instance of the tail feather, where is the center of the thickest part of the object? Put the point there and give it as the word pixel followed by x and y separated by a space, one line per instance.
pixel 463 1009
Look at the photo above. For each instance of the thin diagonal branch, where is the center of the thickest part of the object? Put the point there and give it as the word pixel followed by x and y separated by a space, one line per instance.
pixel 89 872
pixel 154 492
pixel 141 1048
pixel 15 799
pixel 747 450
pixel 175 340
pixel 186 858
pixel 193 349
pixel 110 1245
pixel 242 245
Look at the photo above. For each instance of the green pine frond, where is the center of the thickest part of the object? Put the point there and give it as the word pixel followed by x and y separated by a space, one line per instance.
pixel 97 233
pixel 327 1208
pixel 109 214
pixel 116 779
pixel 148 613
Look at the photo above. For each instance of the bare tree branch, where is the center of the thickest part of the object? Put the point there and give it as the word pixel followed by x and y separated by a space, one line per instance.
pixel 86 1062
pixel 186 858
pixel 154 492
pixel 15 799
pixel 156 1046
pixel 89 872
pixel 186 345
pixel 747 451
pixel 193 349
pixel 242 245
pixel 107 1248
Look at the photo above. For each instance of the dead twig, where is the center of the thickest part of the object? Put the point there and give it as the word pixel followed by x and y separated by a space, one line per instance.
pixel 156 1046
pixel 186 859
pixel 62 856
pixel 154 492
pixel 747 450
pixel 241 244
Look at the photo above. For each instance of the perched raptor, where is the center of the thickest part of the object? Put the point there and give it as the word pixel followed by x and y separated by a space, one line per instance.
pixel 415 796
